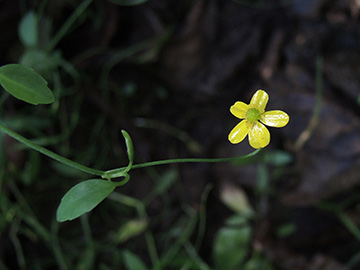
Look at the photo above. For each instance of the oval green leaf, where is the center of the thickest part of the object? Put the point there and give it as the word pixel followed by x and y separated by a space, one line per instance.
pixel 28 29
pixel 128 2
pixel 83 197
pixel 25 84
pixel 232 244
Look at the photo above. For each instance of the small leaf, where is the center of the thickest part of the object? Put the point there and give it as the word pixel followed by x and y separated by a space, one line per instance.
pixel 130 149
pixel 41 61
pixel 236 199
pixel 231 246
pixel 83 197
pixel 28 29
pixel 130 229
pixel 258 261
pixel 128 2
pixel 278 158
pixel 132 261
pixel 25 84
pixel 123 172
pixel 164 182
pixel 285 230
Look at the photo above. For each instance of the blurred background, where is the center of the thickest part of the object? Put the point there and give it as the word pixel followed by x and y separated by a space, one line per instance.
pixel 167 72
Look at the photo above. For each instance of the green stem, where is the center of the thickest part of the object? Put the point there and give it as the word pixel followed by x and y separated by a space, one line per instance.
pixel 120 171
pixel 195 160
pixel 49 153
pixel 349 224
pixel 240 160
pixel 141 209
pixel 69 22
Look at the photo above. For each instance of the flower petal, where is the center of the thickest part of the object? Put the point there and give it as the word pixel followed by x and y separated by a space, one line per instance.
pixel 239 109
pixel 259 100
pixel 275 118
pixel 259 136
pixel 239 132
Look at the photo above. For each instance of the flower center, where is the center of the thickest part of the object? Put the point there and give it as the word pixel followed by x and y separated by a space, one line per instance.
pixel 252 115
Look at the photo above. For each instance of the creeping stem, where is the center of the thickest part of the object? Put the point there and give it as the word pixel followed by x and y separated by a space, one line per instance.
pixel 49 153
pixel 123 170
pixel 239 160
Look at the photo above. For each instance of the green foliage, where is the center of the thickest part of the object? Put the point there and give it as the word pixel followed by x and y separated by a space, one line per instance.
pixel 123 172
pixel 232 244
pixel 132 261
pixel 130 229
pixel 75 246
pixel 41 61
pixel 28 29
pixel 163 183
pixel 286 230
pixel 278 158
pixel 83 197
pixel 39 46
pixel 25 84
pixel 257 262
pixel 236 200
pixel 129 149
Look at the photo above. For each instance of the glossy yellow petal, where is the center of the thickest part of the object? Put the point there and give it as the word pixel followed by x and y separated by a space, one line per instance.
pixel 259 100
pixel 239 109
pixel 275 118
pixel 259 136
pixel 239 132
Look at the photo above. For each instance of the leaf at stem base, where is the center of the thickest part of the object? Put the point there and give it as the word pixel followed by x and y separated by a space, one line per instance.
pixel 83 197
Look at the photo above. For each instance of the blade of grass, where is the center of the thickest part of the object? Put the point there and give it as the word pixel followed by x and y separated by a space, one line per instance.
pixel 49 153
pixel 140 207
pixel 350 225
pixel 17 244
pixel 306 134
pixel 55 245
pixel 185 236
pixel 190 249
pixel 67 25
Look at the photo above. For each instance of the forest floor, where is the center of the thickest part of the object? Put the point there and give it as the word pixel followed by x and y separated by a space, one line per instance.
pixel 167 72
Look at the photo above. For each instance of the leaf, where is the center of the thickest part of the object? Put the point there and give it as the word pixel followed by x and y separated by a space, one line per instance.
pixel 236 199
pixel 130 229
pixel 231 245
pixel 278 158
pixel 129 148
pixel 83 197
pixel 41 61
pixel 123 172
pixel 165 181
pixel 285 230
pixel 132 261
pixel 28 29
pixel 258 261
pixel 128 2
pixel 25 84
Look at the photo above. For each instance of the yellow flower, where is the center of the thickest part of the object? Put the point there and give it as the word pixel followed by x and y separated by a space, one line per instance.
pixel 253 114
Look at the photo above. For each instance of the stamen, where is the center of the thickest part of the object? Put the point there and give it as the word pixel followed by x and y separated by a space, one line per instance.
pixel 252 115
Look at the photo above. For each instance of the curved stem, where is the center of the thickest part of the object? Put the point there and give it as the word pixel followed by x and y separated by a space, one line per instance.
pixel 241 160
pixel 67 25
pixel 49 153
pixel 123 170
pixel 244 160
